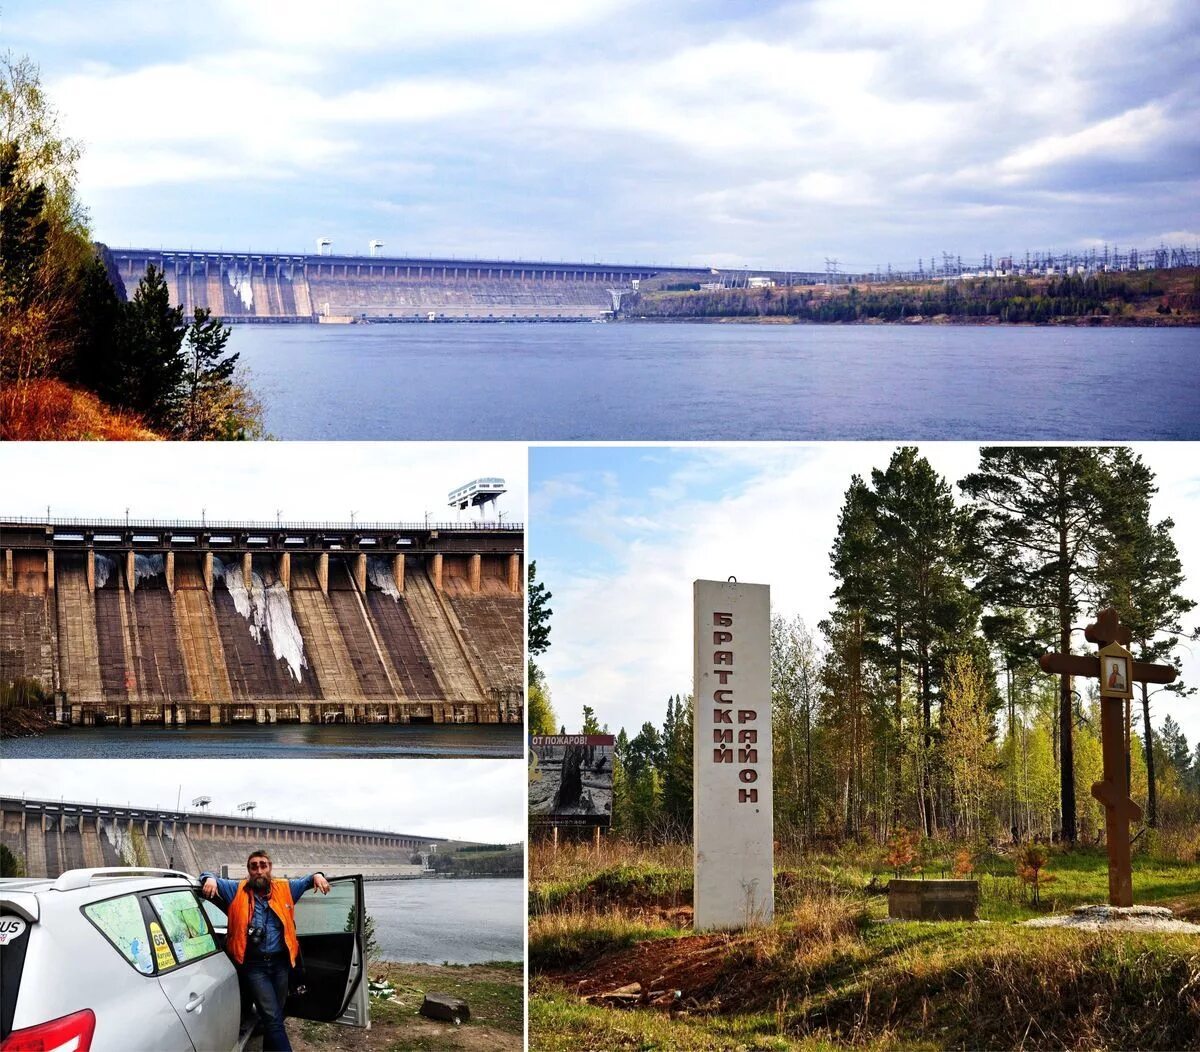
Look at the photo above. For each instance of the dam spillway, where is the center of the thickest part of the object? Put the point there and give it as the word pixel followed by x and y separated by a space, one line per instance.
pixel 218 623
pixel 258 286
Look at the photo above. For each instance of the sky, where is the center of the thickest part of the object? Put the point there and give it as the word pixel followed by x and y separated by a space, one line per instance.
pixel 480 800
pixel 303 481
pixel 728 133
pixel 620 533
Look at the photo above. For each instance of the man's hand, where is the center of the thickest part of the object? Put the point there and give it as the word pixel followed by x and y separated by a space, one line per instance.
pixel 320 883
pixel 209 891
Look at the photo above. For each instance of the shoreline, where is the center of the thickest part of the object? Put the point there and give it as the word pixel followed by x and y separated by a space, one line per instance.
pixel 918 320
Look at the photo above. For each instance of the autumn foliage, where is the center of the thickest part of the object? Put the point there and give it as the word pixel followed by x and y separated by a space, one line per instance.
pixel 901 850
pixel 1031 860
pixel 42 410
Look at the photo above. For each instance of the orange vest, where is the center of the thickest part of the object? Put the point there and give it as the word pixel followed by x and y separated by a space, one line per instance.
pixel 241 909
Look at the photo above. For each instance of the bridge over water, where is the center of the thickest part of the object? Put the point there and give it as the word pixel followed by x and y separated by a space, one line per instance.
pixel 179 622
pixel 290 287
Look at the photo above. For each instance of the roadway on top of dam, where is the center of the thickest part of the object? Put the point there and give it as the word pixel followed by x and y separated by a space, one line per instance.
pixel 245 822
pixel 444 266
pixel 511 267
pixel 30 532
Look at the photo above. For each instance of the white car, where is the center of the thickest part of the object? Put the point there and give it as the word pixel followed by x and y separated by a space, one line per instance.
pixel 120 960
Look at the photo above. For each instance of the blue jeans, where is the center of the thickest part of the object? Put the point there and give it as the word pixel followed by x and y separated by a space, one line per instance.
pixel 267 980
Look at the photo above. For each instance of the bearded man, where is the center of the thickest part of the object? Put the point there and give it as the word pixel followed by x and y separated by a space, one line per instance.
pixel 261 937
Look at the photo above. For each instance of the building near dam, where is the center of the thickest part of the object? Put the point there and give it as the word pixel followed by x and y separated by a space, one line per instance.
pixel 48 837
pixel 176 623
pixel 280 287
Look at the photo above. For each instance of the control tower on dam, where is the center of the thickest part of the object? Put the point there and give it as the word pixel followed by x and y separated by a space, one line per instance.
pixel 265 286
pixel 51 836
pixel 176 623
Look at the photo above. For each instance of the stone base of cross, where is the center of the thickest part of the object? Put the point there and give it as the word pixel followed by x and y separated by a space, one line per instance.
pixel 1117 672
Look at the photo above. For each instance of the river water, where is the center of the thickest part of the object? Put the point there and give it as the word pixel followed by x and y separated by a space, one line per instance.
pixel 724 381
pixel 457 921
pixel 309 741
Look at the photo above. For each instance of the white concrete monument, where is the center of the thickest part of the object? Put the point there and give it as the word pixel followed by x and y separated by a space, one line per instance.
pixel 733 831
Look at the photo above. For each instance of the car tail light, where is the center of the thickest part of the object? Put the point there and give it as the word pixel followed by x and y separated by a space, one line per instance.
pixel 70 1033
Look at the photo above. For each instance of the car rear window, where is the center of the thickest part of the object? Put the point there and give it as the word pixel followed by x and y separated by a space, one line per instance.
pixel 14 938
pixel 121 922
pixel 186 927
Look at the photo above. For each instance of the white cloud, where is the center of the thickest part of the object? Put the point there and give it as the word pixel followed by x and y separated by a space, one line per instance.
pixel 621 636
pixel 1127 137
pixel 317 481
pixel 768 136
pixel 481 800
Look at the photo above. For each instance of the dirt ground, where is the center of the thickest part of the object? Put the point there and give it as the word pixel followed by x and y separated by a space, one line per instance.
pixel 494 994
pixel 691 972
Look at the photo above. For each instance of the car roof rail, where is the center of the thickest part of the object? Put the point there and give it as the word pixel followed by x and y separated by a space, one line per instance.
pixel 73 879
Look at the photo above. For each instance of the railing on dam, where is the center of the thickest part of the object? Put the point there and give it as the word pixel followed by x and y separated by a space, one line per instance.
pixel 259 525
pixel 465 263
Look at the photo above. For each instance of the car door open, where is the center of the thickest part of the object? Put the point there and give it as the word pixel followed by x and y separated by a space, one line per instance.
pixel 333 981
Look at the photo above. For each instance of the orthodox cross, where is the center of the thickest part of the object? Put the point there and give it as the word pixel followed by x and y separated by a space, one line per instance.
pixel 1116 670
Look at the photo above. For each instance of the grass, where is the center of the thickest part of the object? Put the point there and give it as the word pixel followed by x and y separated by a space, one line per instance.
pixel 494 992
pixel 50 410
pixel 827 974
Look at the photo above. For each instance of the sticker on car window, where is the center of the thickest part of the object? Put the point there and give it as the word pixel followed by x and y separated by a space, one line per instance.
pixel 162 952
pixel 186 928
pixel 121 920
pixel 11 928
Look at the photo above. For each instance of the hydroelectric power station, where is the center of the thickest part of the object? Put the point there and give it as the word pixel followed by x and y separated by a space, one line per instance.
pixel 174 623
pixel 49 837
pixel 321 287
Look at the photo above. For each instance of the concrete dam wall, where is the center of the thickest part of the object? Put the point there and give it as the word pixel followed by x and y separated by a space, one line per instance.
pixel 296 634
pixel 50 837
pixel 304 288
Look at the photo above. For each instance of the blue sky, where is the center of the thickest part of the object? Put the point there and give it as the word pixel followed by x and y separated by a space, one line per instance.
pixel 620 533
pixel 722 133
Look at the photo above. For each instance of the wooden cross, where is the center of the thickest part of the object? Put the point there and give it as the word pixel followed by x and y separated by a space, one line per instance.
pixel 1113 792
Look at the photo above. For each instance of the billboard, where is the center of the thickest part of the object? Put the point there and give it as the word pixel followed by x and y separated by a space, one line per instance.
pixel 570 779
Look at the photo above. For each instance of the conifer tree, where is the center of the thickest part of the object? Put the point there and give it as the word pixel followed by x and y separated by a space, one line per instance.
pixel 1038 522
pixel 1141 575
pixel 209 377
pixel 150 363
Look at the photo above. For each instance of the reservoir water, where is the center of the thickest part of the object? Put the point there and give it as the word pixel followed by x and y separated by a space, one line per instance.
pixel 459 921
pixel 309 741
pixel 723 381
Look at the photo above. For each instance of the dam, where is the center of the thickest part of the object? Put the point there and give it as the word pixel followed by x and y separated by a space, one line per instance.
pixel 48 837
pixel 176 623
pixel 283 287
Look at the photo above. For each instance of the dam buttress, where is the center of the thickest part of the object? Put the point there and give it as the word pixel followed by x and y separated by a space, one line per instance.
pixel 177 623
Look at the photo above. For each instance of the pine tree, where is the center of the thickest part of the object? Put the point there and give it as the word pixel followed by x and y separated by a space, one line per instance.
pixel 849 678
pixel 151 365
pixel 208 384
pixel 1038 520
pixel 1141 575
pixel 928 605
pixel 539 614
pixel 677 766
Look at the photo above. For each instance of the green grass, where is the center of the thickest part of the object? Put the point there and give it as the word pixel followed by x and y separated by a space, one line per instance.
pixel 494 991
pixel 627 883
pixel 828 974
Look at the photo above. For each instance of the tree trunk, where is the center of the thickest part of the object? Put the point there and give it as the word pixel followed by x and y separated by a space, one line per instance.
pixel 1066 711
pixel 1151 791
